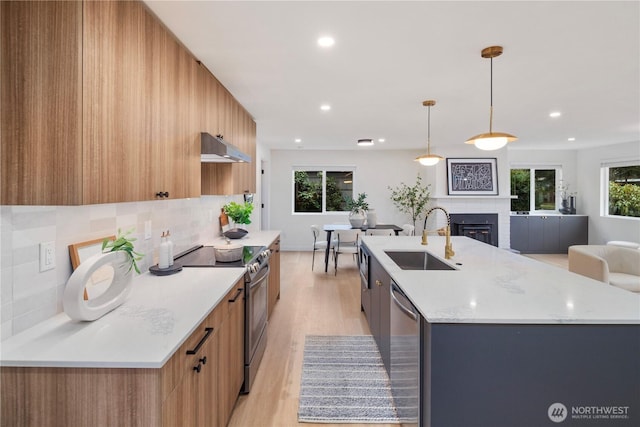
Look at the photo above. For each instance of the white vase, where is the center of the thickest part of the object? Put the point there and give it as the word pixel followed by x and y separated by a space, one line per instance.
pixel 356 218
pixel 372 218
pixel 73 302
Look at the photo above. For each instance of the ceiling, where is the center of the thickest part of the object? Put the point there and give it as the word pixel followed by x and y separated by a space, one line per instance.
pixel 579 58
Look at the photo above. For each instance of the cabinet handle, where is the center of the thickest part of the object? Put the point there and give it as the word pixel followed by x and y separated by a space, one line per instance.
pixel 203 360
pixel 162 194
pixel 235 297
pixel 207 334
pixel 378 282
pixel 197 368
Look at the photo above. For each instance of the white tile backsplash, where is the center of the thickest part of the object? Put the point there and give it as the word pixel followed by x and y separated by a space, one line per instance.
pixel 28 296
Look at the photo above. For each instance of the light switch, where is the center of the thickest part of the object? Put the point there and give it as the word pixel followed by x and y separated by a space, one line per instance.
pixel 47 256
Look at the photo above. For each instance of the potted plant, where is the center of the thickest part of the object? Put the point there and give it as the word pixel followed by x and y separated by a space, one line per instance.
pixel 411 200
pixel 239 214
pixel 358 210
pixel 124 243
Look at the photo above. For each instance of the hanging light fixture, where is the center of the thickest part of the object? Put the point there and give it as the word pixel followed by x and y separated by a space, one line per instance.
pixel 429 159
pixel 492 140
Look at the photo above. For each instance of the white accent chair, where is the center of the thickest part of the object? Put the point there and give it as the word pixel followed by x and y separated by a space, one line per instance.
pixel 616 265
pixel 408 230
pixel 347 242
pixel 320 244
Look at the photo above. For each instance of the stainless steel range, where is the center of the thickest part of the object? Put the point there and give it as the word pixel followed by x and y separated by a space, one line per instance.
pixel 255 261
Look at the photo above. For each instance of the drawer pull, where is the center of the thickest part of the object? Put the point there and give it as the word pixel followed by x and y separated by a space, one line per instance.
pixel 203 360
pixel 235 297
pixel 378 282
pixel 197 368
pixel 208 332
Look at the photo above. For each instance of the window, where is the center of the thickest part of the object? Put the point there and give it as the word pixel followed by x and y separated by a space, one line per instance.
pixel 535 188
pixel 622 190
pixel 321 190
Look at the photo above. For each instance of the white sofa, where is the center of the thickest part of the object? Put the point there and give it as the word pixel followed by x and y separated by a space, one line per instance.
pixel 616 265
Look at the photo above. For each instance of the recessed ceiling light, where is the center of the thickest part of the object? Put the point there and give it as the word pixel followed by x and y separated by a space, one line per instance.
pixel 325 107
pixel 571 139
pixel 297 140
pixel 381 139
pixel 365 142
pixel 555 114
pixel 326 41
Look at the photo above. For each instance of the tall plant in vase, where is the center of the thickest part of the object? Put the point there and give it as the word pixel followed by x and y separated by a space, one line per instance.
pixel 411 199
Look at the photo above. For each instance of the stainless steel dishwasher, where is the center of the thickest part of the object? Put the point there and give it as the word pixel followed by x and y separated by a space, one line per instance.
pixel 405 357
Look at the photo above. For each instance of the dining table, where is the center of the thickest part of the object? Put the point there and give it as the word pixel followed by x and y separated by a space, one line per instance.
pixel 330 228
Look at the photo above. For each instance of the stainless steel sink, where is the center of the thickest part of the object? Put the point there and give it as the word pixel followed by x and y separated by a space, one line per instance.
pixel 417 260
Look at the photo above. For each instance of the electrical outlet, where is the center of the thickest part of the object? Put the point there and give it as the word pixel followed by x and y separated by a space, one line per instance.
pixel 147 230
pixel 47 256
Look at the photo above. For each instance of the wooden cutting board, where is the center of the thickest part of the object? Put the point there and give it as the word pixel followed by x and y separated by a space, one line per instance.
pixel 224 220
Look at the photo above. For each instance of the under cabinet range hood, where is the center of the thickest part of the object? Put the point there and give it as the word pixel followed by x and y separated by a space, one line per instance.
pixel 214 149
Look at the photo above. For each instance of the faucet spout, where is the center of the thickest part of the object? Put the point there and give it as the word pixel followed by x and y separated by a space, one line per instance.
pixel 448 247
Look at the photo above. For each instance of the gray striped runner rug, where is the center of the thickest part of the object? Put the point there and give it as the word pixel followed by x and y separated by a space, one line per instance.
pixel 344 381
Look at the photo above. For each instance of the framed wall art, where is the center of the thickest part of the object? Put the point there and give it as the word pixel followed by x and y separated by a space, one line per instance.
pixel 472 177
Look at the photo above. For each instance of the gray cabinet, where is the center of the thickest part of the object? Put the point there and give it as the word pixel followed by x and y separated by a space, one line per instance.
pixel 574 230
pixel 379 315
pixel 547 234
pixel 505 375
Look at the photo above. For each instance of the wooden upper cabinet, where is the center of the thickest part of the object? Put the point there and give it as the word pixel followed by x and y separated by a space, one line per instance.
pixel 117 113
pixel 229 119
pixel 139 108
pixel 41 103
pixel 101 104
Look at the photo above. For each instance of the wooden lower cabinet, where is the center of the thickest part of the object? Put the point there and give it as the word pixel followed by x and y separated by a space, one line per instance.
pixel 231 354
pixel 274 274
pixel 174 395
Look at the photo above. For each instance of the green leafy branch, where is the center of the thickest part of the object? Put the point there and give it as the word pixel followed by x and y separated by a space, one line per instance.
pixel 239 213
pixel 360 203
pixel 125 244
pixel 411 200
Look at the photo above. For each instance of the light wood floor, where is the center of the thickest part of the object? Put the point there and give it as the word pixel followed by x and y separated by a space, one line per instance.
pixel 559 260
pixel 311 303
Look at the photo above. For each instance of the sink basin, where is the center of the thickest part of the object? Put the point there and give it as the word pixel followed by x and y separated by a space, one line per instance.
pixel 417 261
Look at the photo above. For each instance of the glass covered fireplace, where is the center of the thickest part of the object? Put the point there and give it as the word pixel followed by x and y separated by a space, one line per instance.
pixel 479 226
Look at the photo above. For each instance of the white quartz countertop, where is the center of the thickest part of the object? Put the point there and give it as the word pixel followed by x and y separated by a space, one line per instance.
pixel 492 285
pixel 144 332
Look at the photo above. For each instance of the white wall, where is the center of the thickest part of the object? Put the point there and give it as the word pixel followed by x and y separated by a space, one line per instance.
pixel 604 228
pixel 375 172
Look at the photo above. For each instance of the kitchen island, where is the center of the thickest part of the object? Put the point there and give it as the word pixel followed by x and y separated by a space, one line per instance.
pixel 506 340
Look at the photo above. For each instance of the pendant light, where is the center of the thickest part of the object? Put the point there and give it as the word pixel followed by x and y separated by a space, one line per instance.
pixel 492 140
pixel 429 159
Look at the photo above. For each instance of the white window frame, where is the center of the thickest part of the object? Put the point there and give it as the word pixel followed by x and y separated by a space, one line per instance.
pixel 604 186
pixel 324 170
pixel 532 187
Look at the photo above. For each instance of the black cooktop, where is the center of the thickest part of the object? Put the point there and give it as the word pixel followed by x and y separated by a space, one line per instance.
pixel 203 256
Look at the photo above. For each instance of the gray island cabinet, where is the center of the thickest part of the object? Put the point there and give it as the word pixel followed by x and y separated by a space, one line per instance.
pixel 507 341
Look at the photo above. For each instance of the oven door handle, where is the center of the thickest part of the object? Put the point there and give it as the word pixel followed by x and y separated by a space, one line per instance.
pixel 260 276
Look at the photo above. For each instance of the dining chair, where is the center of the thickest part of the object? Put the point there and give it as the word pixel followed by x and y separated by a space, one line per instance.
pixel 408 230
pixel 347 242
pixel 320 244
pixel 379 232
